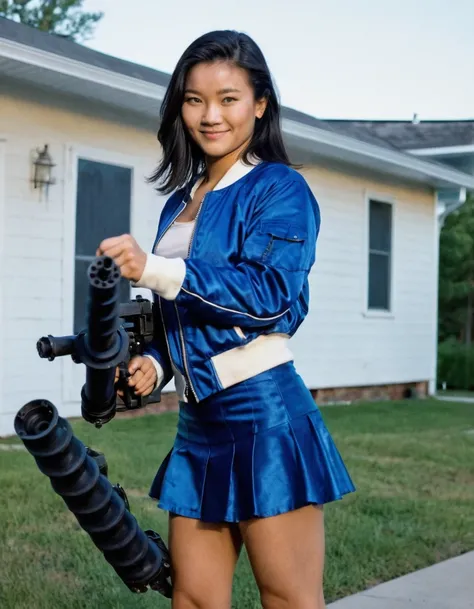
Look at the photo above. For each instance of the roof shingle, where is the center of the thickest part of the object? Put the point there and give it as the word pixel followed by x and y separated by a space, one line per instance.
pixel 408 135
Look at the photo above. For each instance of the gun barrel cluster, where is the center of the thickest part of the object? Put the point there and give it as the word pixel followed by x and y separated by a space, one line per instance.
pixel 89 495
pixel 79 474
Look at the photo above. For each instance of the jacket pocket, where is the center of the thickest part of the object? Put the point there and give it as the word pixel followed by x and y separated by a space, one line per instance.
pixel 285 245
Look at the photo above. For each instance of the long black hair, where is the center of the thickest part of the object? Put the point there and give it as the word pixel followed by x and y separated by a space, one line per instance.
pixel 182 157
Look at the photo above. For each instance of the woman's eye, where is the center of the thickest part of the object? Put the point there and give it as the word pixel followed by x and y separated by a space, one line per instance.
pixel 228 100
pixel 192 100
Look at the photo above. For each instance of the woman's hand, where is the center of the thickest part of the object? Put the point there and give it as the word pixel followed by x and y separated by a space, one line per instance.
pixel 142 377
pixel 127 255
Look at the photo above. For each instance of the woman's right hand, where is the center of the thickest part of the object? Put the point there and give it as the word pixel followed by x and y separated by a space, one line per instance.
pixel 142 377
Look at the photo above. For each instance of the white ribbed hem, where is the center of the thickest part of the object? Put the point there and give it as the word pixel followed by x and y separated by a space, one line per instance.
pixel 242 363
pixel 164 276
pixel 160 373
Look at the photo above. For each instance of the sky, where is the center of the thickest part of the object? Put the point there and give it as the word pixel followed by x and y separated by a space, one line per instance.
pixel 368 59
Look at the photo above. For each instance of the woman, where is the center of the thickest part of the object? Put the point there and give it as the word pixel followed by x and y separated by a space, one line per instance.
pixel 253 462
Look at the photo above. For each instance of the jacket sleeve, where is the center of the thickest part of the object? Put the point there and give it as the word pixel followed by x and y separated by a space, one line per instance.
pixel 157 351
pixel 268 276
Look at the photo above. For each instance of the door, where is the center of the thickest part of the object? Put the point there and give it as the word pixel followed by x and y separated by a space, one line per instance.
pixel 103 207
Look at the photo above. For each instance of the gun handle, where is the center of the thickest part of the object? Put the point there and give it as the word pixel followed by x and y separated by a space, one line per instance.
pixel 130 400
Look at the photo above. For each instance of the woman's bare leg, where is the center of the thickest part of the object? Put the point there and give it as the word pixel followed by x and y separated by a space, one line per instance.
pixel 204 556
pixel 287 557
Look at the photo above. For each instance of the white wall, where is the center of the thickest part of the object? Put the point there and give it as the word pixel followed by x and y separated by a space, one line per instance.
pixel 2 267
pixel 340 344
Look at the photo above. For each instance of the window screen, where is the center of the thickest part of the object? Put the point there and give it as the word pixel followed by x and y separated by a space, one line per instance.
pixel 380 254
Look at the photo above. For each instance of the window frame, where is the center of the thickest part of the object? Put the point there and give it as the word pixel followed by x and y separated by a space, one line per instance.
pixel 372 312
pixel 72 154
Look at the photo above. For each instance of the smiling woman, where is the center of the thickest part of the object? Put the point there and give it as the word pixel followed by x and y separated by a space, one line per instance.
pixel 253 462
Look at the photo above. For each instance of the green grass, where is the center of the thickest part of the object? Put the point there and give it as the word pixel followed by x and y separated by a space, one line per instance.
pixel 412 462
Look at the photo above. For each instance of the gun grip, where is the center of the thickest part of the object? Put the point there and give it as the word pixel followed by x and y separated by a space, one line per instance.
pixel 130 400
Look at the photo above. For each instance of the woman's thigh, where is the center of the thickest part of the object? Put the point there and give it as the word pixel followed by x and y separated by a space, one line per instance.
pixel 287 557
pixel 204 556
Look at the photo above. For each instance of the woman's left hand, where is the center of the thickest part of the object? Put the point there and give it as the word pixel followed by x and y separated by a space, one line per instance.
pixel 127 255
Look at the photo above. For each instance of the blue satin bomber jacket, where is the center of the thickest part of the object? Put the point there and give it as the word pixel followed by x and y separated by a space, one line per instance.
pixel 243 290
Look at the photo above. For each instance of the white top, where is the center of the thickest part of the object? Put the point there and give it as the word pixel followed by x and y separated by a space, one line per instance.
pixel 175 244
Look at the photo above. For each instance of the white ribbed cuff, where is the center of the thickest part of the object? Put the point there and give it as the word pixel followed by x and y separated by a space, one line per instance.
pixel 164 276
pixel 160 373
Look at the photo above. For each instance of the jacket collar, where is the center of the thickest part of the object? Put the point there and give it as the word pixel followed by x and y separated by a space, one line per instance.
pixel 237 171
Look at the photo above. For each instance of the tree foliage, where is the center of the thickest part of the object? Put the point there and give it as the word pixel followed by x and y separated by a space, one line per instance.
pixel 456 275
pixel 64 18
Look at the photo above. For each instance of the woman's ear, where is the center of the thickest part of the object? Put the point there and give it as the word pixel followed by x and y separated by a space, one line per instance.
pixel 260 107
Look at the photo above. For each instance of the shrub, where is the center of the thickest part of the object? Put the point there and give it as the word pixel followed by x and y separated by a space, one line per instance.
pixel 456 365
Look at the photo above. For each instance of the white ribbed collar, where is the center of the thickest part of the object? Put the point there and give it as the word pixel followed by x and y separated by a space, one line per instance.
pixel 238 170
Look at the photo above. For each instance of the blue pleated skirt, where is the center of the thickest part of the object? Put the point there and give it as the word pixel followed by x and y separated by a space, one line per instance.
pixel 257 449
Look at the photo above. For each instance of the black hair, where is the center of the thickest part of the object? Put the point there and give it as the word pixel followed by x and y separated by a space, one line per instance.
pixel 182 158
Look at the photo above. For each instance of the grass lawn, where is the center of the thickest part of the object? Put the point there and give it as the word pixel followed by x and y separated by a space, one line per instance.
pixel 412 462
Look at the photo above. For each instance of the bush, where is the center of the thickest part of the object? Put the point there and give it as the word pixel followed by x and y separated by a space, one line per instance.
pixel 455 365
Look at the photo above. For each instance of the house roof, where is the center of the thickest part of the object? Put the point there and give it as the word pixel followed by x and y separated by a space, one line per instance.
pixel 409 135
pixel 32 37
pixel 58 45
pixel 60 65
pixel 363 135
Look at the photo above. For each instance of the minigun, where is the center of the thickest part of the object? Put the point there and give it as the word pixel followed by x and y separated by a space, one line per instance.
pixel 115 332
pixel 113 335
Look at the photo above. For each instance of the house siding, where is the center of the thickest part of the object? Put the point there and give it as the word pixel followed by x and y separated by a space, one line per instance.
pixel 38 245
pixel 338 344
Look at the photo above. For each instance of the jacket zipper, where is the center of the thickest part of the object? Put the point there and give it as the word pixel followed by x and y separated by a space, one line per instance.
pixel 195 225
pixel 189 384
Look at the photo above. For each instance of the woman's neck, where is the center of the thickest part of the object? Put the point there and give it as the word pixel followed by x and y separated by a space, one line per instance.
pixel 216 168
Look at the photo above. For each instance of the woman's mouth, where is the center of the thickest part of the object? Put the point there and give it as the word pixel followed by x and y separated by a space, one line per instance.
pixel 213 135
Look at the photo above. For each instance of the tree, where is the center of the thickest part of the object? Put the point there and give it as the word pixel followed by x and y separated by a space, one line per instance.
pixel 456 275
pixel 456 300
pixel 64 18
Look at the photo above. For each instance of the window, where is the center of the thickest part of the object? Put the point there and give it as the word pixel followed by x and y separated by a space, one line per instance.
pixel 102 210
pixel 380 256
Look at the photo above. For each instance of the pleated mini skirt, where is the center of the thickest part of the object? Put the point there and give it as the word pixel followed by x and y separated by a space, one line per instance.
pixel 257 449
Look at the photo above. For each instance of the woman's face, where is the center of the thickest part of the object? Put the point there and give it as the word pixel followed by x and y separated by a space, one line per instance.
pixel 219 108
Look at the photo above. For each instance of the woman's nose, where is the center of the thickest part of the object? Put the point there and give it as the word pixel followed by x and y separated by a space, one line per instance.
pixel 212 115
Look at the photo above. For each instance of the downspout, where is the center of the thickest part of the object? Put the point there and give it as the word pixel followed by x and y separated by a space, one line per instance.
pixel 448 200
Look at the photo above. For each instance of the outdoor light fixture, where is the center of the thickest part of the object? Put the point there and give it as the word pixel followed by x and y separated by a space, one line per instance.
pixel 43 170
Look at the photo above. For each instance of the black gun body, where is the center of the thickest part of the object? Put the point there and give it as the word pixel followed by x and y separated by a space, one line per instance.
pixel 114 333
pixel 139 558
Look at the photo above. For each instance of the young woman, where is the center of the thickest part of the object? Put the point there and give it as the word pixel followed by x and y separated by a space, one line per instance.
pixel 252 462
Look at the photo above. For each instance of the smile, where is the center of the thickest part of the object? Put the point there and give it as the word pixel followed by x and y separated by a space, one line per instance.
pixel 213 135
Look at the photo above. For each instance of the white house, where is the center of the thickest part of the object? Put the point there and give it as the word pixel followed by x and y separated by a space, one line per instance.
pixel 371 330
